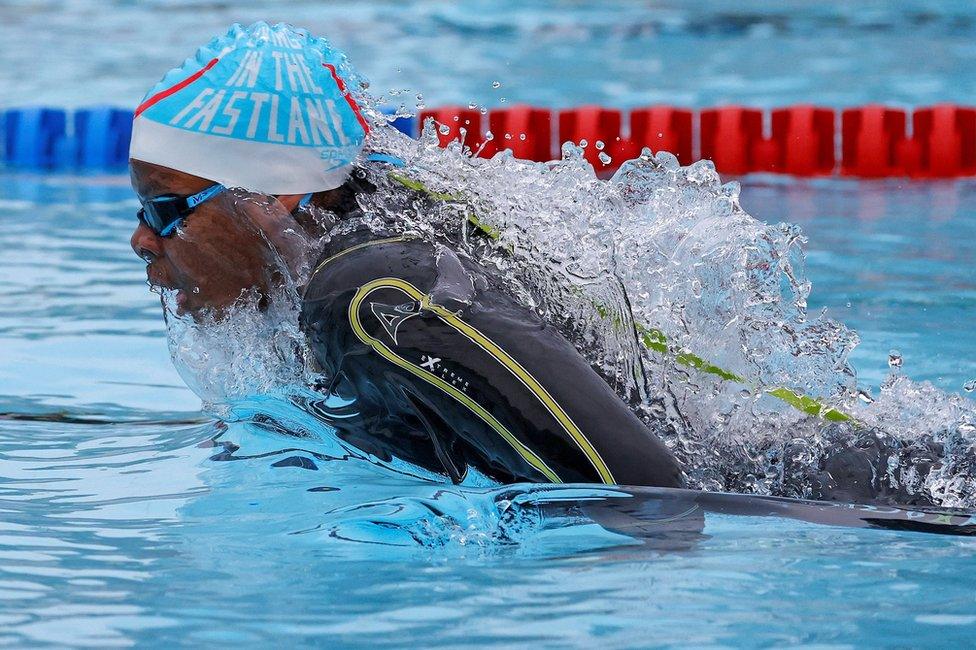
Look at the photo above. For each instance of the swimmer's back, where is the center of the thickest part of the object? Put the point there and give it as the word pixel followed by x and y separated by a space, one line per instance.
pixel 445 370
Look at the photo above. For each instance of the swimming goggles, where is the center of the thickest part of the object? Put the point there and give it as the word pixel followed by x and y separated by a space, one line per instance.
pixel 162 214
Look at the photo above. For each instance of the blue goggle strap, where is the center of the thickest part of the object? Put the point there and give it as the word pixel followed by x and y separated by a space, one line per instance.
pixel 387 158
pixel 191 203
pixel 200 197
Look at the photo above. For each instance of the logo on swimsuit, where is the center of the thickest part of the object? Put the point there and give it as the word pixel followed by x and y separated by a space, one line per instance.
pixel 434 366
pixel 392 316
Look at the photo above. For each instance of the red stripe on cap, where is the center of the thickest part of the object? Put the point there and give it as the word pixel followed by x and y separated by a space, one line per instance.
pixel 163 94
pixel 345 93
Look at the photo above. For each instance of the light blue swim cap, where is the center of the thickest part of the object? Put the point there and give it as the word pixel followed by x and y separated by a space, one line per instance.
pixel 266 108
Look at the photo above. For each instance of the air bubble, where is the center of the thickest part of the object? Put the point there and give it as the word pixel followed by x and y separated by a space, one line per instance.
pixel 599 145
pixel 894 359
pixel 969 386
pixel 196 289
pixel 496 84
pixel 522 137
pixel 444 129
pixel 604 158
pixel 489 136
pixel 472 106
pixel 583 143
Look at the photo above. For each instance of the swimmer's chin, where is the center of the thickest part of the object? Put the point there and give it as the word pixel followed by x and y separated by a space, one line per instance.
pixel 174 301
pixel 179 303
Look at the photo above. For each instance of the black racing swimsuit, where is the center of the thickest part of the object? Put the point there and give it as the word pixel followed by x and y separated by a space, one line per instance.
pixel 443 369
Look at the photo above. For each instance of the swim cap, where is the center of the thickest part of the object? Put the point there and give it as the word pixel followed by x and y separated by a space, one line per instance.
pixel 266 108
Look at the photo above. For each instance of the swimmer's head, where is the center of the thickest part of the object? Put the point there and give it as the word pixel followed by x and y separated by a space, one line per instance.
pixel 234 241
pixel 267 108
pixel 267 112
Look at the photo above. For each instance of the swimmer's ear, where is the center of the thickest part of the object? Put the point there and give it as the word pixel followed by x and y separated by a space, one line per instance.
pixel 274 221
pixel 290 201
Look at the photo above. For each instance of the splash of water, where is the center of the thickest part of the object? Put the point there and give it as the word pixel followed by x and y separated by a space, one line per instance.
pixel 664 248
pixel 661 249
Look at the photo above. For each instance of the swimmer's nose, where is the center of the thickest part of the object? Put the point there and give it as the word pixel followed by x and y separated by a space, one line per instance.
pixel 145 243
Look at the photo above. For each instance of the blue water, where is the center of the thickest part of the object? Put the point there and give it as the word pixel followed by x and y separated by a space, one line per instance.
pixel 124 522
pixel 551 52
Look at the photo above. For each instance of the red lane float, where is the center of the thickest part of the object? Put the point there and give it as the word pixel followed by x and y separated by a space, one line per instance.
pixel 456 119
pixel 598 127
pixel 804 141
pixel 944 143
pixel 662 128
pixel 796 140
pixel 873 141
pixel 801 140
pixel 526 130
pixel 729 136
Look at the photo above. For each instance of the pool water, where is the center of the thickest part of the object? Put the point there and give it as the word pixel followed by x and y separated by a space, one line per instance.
pixel 124 522
pixel 550 53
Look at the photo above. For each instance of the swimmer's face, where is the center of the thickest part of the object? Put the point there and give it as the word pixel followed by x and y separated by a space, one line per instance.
pixel 221 249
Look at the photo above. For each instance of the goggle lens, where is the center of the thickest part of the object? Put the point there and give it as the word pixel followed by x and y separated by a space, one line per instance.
pixel 162 214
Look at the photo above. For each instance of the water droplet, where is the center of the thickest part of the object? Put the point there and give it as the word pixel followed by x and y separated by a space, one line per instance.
pixel 605 159
pixel 894 359
pixel 496 84
pixel 969 386
pixel 599 145
pixel 444 129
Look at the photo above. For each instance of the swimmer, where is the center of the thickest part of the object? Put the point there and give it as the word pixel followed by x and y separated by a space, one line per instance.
pixel 236 156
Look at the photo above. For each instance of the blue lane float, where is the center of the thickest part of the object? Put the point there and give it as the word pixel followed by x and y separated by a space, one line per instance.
pixel 102 135
pixel 406 125
pixel 94 138
pixel 34 137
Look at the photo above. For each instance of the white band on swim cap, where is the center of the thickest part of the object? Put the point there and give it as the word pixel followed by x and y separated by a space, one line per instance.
pixel 263 108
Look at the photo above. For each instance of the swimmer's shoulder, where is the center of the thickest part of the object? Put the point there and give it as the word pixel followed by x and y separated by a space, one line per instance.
pixel 362 260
